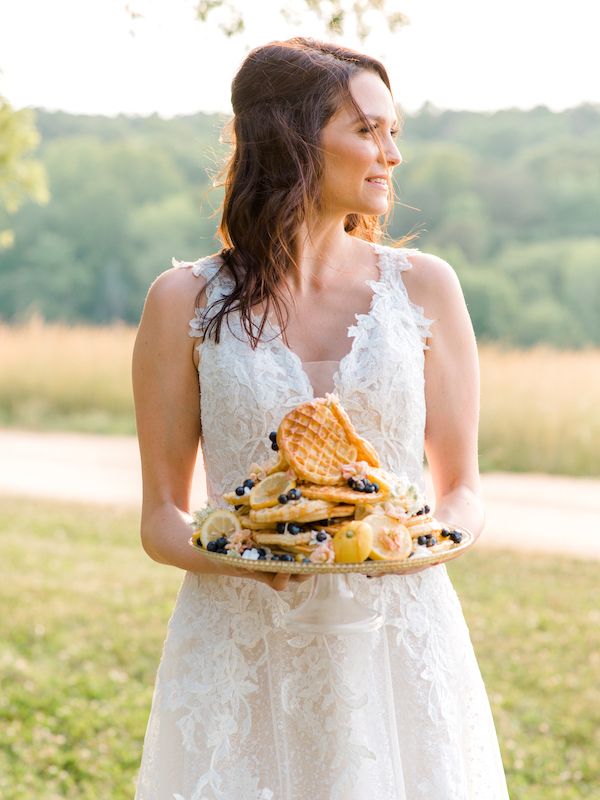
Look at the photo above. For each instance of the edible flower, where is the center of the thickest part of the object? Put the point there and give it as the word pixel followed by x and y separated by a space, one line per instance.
pixel 323 554
pixel 355 469
pixel 240 540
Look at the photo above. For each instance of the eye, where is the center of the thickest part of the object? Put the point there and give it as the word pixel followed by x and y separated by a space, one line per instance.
pixel 394 132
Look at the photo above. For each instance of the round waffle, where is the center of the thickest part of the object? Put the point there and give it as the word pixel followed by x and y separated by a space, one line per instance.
pixel 295 511
pixel 318 438
pixel 282 539
pixel 341 494
pixel 299 511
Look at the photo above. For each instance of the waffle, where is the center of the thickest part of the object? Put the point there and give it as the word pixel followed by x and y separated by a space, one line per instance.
pixel 278 466
pixel 317 438
pixel 235 500
pixel 295 511
pixel 341 494
pixel 422 525
pixel 282 539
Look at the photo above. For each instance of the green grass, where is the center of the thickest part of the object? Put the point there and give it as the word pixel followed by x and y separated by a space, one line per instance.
pixel 84 614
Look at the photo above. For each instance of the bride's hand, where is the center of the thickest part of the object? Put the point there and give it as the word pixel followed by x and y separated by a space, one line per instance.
pixel 412 571
pixel 276 580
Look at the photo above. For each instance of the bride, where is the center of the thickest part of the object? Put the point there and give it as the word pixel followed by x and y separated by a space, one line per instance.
pixel 304 299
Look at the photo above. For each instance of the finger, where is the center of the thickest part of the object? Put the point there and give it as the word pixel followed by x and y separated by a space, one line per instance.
pixel 299 578
pixel 280 581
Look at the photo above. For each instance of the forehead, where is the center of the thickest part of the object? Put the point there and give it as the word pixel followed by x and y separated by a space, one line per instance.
pixel 372 96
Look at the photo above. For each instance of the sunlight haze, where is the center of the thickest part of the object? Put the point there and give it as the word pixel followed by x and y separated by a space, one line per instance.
pixel 90 57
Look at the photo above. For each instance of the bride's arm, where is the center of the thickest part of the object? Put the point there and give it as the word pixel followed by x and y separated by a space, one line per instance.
pixel 167 400
pixel 451 393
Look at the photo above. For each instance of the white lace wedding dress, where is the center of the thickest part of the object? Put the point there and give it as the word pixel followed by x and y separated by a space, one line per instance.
pixel 244 710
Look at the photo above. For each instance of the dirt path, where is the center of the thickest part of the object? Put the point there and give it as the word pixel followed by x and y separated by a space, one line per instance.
pixel 528 512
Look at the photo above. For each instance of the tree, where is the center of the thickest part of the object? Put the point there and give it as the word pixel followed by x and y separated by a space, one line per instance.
pixel 334 14
pixel 21 177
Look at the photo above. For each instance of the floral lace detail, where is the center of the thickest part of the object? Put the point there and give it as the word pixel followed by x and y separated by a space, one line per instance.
pixel 243 710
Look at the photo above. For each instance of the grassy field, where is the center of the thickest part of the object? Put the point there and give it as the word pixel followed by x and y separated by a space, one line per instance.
pixel 84 614
pixel 540 409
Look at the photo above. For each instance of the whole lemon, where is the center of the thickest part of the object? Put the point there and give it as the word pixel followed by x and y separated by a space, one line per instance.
pixel 352 543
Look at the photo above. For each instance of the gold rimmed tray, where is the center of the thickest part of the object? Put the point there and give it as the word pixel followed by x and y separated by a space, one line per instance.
pixel 363 568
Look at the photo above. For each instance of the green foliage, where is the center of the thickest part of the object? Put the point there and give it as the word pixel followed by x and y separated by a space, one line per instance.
pixel 85 614
pixel 21 177
pixel 510 199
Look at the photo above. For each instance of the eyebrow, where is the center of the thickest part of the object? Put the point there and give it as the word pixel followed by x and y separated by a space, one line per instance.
pixel 381 120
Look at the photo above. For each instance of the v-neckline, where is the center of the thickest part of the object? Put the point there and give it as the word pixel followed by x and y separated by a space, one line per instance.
pixel 352 331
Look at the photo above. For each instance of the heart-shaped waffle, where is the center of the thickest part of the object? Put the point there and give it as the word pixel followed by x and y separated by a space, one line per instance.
pixel 317 438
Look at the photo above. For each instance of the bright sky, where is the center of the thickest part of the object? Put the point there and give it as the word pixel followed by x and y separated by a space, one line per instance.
pixel 80 55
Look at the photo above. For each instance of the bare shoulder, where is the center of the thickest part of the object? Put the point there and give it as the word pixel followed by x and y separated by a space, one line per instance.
pixel 432 282
pixel 174 290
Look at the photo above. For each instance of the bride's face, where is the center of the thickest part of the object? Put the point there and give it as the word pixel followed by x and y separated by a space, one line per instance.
pixel 351 155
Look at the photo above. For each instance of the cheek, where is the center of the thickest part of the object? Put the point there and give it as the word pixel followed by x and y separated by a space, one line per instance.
pixel 351 158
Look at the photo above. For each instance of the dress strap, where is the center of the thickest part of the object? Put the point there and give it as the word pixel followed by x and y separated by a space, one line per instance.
pixel 393 262
pixel 218 285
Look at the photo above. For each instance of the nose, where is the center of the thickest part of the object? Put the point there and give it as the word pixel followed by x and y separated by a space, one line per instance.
pixel 393 155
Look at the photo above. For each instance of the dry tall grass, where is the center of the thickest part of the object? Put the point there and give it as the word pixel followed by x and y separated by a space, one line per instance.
pixel 56 376
pixel 540 408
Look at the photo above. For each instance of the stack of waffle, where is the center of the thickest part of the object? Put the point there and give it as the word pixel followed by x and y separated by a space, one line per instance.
pixel 325 477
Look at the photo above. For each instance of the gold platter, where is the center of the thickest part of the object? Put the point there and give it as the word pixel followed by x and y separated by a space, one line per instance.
pixel 362 568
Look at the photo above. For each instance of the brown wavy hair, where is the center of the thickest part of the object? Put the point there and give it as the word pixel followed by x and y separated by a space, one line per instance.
pixel 282 96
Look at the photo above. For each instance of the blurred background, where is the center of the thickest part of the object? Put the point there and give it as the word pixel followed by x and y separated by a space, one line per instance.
pixel 111 136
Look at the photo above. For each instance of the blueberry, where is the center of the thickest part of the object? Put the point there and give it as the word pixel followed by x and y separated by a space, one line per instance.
pixel 359 486
pixel 274 446
pixel 273 436
pixel 262 553
pixel 350 482
pixel 294 494
pixel 294 529
pixel 426 509
pixel 306 560
pixel 370 488
pixel 422 540
pixel 444 532
pixel 283 498
pixel 281 527
pixel 456 536
pixel 321 536
pixel 376 486
pixel 430 541
pixel 240 491
pixel 249 483
pixel 419 512
pixel 222 541
pixel 287 557
pixel 212 546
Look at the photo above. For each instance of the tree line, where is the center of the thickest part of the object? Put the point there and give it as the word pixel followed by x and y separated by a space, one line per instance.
pixel 511 199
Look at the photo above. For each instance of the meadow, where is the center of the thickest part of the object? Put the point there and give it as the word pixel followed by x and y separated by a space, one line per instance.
pixel 540 408
pixel 84 613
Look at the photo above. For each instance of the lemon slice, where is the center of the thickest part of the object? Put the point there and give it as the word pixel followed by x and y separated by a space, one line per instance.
pixel 391 540
pixel 220 522
pixel 265 493
pixel 353 542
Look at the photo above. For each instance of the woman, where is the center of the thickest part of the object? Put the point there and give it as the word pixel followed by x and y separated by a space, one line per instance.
pixel 301 301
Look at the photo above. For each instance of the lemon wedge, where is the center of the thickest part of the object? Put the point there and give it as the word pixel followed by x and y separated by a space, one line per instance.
pixel 391 540
pixel 219 522
pixel 352 543
pixel 265 493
